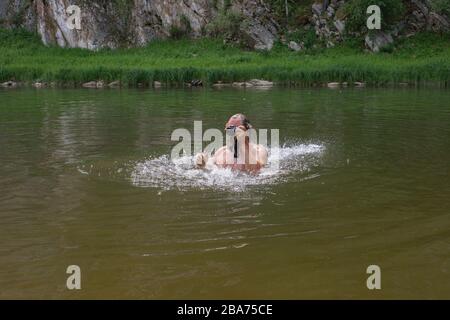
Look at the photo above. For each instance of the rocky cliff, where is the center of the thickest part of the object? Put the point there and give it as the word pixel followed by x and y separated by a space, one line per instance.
pixel 125 23
pixel 134 22
pixel 328 21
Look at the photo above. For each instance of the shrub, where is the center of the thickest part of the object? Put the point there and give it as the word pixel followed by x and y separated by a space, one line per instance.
pixel 176 32
pixel 298 10
pixel 441 6
pixel 308 37
pixel 181 30
pixel 185 23
pixel 226 25
pixel 356 12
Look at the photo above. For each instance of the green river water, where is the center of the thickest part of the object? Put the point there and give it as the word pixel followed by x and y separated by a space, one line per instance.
pixel 86 179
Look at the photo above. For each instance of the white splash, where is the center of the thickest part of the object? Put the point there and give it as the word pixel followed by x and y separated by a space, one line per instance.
pixel 181 174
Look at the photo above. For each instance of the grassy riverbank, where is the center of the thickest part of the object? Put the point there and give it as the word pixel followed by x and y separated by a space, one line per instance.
pixel 424 58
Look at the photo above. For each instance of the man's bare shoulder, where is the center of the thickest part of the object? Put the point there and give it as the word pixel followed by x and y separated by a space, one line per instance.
pixel 222 155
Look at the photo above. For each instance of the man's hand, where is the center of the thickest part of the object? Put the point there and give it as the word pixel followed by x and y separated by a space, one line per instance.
pixel 200 160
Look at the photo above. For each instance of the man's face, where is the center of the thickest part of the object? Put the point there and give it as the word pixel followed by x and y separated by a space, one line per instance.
pixel 234 126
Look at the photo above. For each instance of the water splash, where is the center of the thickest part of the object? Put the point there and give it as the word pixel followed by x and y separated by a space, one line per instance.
pixel 181 174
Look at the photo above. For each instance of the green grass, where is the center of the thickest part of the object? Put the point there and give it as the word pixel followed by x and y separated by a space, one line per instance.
pixel 424 58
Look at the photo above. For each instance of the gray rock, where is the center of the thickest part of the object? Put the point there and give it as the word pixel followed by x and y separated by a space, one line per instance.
pixel 317 8
pixel 196 83
pixel 333 85
pixel 17 14
pixel 114 84
pixel 220 84
pixel 421 6
pixel 418 15
pixel 9 84
pixel 377 41
pixel 439 22
pixel 294 46
pixel 100 25
pixel 109 24
pixel 152 20
pixel 253 83
pixel 398 28
pixel 39 84
pixel 258 83
pixel 330 11
pixel 90 84
pixel 260 27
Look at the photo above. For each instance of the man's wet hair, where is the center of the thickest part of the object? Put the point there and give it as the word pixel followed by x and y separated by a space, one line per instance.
pixel 244 120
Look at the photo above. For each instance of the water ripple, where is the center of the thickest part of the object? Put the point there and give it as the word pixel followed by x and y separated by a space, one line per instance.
pixel 181 174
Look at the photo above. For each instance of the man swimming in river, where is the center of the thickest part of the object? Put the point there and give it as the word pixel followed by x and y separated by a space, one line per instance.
pixel 239 153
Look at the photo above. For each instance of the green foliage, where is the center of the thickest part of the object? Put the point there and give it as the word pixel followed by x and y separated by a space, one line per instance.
pixel 23 58
pixel 279 7
pixel 308 37
pixel 441 6
pixel 123 6
pixel 185 23
pixel 296 9
pixel 17 19
pixel 226 4
pixel 181 30
pixel 226 25
pixel 214 4
pixel 388 48
pixel 176 32
pixel 356 12
pixel 19 38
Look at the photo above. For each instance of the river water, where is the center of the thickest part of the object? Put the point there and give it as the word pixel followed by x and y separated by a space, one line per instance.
pixel 86 179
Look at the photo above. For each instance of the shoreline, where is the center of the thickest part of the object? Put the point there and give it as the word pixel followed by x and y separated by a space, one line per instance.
pixel 417 61
pixel 115 85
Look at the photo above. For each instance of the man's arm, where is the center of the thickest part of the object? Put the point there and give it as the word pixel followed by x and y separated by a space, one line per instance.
pixel 202 159
pixel 262 155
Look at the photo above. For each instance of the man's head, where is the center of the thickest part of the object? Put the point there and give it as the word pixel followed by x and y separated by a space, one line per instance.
pixel 237 127
pixel 238 121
